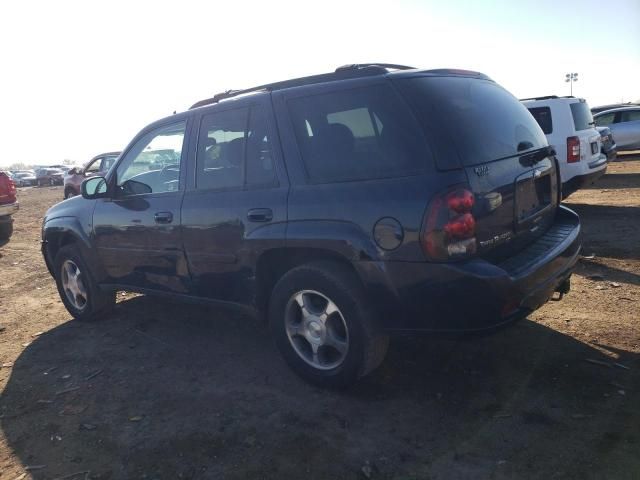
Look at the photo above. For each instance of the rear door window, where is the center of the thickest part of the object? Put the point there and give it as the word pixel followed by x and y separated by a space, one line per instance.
pixel 234 150
pixel 358 134
pixel 478 118
pixel 543 117
pixel 582 118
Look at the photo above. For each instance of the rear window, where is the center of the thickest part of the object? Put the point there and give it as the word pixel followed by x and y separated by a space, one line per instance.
pixel 481 119
pixel 581 114
pixel 543 117
pixel 358 134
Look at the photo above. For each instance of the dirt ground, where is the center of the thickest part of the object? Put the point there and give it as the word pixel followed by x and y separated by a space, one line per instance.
pixel 163 390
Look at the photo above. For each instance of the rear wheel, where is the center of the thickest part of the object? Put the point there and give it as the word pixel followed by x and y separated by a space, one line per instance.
pixel 78 291
pixel 324 326
pixel 68 193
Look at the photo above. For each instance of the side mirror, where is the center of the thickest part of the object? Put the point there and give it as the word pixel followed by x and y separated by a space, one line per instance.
pixel 94 187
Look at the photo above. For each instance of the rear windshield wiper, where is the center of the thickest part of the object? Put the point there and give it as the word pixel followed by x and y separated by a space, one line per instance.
pixel 536 156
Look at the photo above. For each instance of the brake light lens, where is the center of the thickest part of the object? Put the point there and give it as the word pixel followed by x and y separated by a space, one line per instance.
pixel 573 149
pixel 449 227
pixel 7 189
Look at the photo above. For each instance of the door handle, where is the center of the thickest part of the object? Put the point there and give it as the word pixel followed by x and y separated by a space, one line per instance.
pixel 163 217
pixel 260 215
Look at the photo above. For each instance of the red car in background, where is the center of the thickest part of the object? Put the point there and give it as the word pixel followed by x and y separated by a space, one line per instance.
pixel 98 165
pixel 8 206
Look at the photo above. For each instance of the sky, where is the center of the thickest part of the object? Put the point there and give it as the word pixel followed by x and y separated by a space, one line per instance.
pixel 80 78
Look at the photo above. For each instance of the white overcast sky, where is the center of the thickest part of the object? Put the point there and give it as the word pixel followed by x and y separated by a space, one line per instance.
pixel 79 78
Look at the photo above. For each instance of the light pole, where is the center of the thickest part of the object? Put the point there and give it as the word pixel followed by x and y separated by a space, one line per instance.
pixel 571 77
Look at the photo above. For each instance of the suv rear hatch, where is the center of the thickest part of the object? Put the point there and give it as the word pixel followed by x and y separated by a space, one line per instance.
pixel 590 141
pixel 474 124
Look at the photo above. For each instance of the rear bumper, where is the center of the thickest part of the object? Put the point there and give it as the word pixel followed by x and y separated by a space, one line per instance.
pixel 6 222
pixel 8 209
pixel 611 153
pixel 479 295
pixel 582 181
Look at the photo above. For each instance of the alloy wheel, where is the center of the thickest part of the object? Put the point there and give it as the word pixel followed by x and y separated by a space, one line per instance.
pixel 73 285
pixel 316 329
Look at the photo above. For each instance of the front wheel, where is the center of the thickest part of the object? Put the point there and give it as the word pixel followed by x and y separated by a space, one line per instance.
pixel 324 325
pixel 78 291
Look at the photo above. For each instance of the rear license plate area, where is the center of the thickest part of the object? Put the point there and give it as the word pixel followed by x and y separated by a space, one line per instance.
pixel 533 195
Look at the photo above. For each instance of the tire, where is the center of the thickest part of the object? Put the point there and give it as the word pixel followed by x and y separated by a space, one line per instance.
pixel 52 182
pixel 68 193
pixel 97 303
pixel 352 323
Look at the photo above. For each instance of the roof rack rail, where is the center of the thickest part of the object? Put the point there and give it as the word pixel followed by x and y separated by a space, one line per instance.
pixel 547 97
pixel 227 94
pixel 346 71
pixel 382 66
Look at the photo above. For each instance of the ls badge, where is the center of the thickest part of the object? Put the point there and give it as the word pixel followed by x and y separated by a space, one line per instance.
pixel 482 170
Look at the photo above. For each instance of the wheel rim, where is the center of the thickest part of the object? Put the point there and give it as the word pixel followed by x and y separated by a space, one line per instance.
pixel 316 329
pixel 73 285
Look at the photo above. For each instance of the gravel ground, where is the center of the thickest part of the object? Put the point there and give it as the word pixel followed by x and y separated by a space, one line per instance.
pixel 162 390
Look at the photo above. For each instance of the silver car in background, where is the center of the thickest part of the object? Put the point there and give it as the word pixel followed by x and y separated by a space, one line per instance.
pixel 624 123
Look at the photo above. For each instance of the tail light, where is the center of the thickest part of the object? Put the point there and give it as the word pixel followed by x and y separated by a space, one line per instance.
pixel 573 149
pixel 7 189
pixel 449 228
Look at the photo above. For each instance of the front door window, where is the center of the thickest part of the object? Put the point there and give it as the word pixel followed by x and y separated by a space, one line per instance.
pixel 153 164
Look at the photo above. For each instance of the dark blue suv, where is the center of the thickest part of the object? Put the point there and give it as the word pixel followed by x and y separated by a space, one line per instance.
pixel 343 207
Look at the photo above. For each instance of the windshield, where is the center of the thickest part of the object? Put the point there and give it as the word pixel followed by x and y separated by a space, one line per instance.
pixel 480 118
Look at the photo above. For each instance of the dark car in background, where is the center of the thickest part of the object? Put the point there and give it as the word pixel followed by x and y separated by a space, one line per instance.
pixel 98 165
pixel 336 206
pixel 8 206
pixel 49 176
pixel 609 147
pixel 602 108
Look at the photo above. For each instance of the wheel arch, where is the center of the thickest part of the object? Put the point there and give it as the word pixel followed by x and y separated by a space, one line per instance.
pixel 275 263
pixel 63 231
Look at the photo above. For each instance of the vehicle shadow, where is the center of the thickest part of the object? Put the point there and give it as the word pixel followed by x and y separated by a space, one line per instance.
pixel 591 268
pixel 164 390
pixel 615 181
pixel 598 221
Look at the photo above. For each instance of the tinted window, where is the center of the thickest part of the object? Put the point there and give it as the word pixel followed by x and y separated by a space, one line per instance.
pixel 481 119
pixel 231 143
pixel 153 163
pixel 630 116
pixel 582 118
pixel 605 119
pixel 260 165
pixel 357 134
pixel 221 147
pixel 543 117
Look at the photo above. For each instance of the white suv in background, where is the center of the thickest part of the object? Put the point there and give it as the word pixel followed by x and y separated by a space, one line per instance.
pixel 569 127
